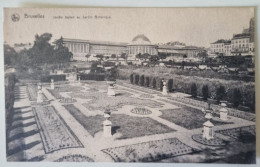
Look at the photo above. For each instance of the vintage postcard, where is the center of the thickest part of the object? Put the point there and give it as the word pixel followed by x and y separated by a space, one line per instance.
pixel 168 85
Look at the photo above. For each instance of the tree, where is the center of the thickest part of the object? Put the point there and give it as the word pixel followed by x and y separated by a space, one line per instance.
pixel 138 56
pixel 237 97
pixel 162 56
pixel 154 59
pixel 61 53
pixel 100 57
pixel 10 55
pixel 221 93
pixel 145 56
pixel 88 56
pixel 113 56
pixel 42 51
pixel 205 92
pixel 193 90
pixel 123 56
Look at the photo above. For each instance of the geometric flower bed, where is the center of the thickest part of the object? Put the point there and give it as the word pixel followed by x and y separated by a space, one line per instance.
pixel 146 96
pixel 240 132
pixel 127 126
pixel 212 142
pixel 149 151
pixel 189 118
pixel 74 158
pixel 141 111
pixel 32 92
pixel 54 132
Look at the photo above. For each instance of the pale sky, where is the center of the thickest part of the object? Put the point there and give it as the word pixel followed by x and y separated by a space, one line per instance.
pixel 193 26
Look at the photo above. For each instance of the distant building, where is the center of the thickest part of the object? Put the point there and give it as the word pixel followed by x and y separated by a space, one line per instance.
pixel 139 45
pixel 240 45
pixel 221 47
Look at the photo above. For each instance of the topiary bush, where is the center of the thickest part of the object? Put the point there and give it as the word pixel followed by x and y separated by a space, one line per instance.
pixel 132 78
pixel 136 79
pixel 205 92
pixel 220 93
pixel 193 90
pixel 147 81
pixel 161 84
pixel 237 97
pixel 154 83
pixel 141 82
pixel 170 85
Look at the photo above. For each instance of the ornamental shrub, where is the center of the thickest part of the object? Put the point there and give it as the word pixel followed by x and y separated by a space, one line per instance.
pixel 220 93
pixel 141 82
pixel 205 92
pixel 131 78
pixel 136 79
pixel 193 90
pixel 154 83
pixel 237 97
pixel 147 82
pixel 170 85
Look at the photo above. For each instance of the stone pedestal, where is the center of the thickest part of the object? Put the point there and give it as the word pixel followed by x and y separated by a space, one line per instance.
pixel 165 91
pixel 223 112
pixel 52 84
pixel 208 132
pixel 111 88
pixel 107 125
pixel 107 128
pixel 79 78
pixel 39 96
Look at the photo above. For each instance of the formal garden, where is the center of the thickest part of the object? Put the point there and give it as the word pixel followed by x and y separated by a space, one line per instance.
pixel 59 112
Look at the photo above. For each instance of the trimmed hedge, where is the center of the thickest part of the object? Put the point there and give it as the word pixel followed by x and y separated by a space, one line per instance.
pixel 216 90
pixel 47 78
pixel 92 76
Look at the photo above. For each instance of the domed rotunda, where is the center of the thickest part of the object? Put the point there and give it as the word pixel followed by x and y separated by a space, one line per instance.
pixel 141 44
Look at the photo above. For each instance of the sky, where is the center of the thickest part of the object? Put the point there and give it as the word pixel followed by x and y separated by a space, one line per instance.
pixel 193 26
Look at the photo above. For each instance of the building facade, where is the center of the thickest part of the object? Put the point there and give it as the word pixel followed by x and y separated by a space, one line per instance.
pixel 139 45
pixel 240 45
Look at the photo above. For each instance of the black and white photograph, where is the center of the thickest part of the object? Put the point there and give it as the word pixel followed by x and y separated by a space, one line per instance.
pixel 139 85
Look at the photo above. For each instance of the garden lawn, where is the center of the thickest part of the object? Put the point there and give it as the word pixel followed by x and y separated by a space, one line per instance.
pixel 128 126
pixel 187 117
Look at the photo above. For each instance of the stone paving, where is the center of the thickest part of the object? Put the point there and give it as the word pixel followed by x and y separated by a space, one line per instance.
pixel 25 143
